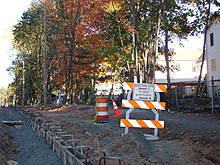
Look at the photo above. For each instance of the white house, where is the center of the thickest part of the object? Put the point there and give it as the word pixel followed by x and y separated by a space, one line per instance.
pixel 213 54
pixel 187 63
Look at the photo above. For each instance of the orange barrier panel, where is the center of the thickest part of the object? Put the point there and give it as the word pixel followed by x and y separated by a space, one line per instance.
pixel 132 123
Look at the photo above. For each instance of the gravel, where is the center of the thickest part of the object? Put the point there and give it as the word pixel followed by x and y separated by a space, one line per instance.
pixel 32 150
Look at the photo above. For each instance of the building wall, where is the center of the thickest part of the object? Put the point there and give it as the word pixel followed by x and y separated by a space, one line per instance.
pixel 213 54
pixel 188 64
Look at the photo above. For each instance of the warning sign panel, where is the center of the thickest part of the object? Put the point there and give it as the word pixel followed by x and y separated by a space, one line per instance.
pixel 143 91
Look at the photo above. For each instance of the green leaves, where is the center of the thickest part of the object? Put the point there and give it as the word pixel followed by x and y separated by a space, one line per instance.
pixel 83 34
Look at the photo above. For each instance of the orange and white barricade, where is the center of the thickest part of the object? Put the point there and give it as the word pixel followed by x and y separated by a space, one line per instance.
pixel 102 109
pixel 143 96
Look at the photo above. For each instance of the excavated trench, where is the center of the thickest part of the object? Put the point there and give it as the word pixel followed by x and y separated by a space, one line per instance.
pixel 31 131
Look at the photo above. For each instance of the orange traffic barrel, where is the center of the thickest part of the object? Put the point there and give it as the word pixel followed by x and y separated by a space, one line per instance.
pixel 102 109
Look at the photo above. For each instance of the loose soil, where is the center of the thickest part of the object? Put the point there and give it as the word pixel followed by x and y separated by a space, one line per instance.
pixel 190 138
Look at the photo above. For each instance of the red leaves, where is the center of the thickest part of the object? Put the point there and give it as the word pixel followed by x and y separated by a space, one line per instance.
pixel 77 25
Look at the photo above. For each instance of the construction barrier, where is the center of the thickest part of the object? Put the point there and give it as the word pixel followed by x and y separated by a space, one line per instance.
pixel 102 109
pixel 157 87
pixel 143 96
pixel 143 104
pixel 141 123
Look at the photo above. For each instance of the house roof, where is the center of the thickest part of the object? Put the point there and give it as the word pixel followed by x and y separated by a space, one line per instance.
pixel 185 55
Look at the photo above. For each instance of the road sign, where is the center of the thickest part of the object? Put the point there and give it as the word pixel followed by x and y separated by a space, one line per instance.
pixel 143 91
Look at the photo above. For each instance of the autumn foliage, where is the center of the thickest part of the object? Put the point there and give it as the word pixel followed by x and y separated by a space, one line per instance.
pixel 94 40
pixel 76 32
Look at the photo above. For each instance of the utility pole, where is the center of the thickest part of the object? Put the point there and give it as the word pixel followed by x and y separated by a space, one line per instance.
pixel 45 49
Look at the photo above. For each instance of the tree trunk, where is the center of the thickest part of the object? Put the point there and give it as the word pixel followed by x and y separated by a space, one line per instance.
pixel 166 50
pixel 71 78
pixel 134 22
pixel 203 54
pixel 23 83
pixel 45 63
pixel 149 58
pixel 155 49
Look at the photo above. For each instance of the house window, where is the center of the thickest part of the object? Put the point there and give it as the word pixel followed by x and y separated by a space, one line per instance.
pixel 194 67
pixel 213 64
pixel 211 39
pixel 178 66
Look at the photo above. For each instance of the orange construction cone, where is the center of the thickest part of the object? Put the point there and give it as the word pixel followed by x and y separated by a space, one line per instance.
pixel 116 110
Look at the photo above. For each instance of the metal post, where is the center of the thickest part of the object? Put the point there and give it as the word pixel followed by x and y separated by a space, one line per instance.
pixel 218 94
pixel 176 96
pixel 127 116
pixel 156 119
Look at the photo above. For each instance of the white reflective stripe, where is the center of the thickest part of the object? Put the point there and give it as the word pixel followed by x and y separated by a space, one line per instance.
pixel 157 89
pixel 162 123
pixel 126 87
pixel 149 124
pixel 158 105
pixel 101 105
pixel 122 124
pixel 127 104
pixel 102 113
pixel 142 104
pixel 134 123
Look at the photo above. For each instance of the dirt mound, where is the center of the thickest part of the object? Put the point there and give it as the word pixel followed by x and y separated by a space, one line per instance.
pixel 8 147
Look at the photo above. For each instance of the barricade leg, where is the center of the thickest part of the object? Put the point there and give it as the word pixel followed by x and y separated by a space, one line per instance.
pixel 155 136
pixel 127 117
pixel 156 119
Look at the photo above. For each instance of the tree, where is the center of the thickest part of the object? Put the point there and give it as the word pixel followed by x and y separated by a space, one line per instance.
pixel 3 96
pixel 203 52
pixel 85 38
pixel 28 42
pixel 77 23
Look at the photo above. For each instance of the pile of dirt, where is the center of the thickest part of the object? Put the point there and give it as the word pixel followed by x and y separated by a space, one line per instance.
pixel 200 131
pixel 8 147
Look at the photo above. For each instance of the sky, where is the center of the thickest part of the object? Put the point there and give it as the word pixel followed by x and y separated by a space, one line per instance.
pixel 10 13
